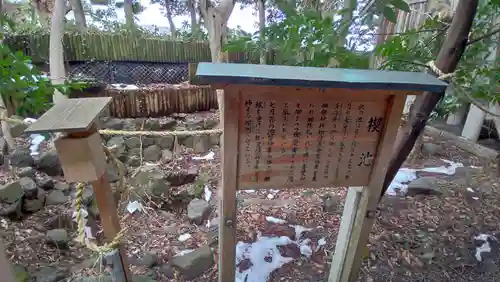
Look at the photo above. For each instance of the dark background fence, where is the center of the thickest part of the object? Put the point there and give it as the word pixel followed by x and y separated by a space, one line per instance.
pixel 112 72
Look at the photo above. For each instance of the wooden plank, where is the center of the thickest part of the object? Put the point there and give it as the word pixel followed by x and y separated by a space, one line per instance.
pixel 227 229
pixel 462 143
pixel 5 268
pixel 310 140
pixel 71 115
pixel 317 77
pixel 365 216
pixel 351 206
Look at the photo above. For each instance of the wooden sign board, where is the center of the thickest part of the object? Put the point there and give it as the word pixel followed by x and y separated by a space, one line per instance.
pixel 287 127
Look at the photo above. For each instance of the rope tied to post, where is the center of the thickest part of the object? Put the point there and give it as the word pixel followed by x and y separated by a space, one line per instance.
pixel 80 187
pixel 458 89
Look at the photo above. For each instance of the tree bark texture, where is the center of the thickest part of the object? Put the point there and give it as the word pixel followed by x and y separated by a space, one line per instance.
pixel 262 29
pixel 447 60
pixel 56 56
pixel 195 27
pixel 80 20
pixel 168 9
pixel 3 109
pixel 129 13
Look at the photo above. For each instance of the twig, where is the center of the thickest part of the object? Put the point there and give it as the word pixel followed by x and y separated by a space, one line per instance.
pixel 484 36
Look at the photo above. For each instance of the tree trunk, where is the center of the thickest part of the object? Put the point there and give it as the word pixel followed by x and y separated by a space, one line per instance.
pixel 215 20
pixel 80 21
pixel 262 29
pixel 3 109
pixel 195 27
pixel 168 8
pixel 447 61
pixel 56 56
pixel 349 7
pixel 129 13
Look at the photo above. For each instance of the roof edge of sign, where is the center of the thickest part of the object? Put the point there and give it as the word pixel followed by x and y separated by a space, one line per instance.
pixel 316 77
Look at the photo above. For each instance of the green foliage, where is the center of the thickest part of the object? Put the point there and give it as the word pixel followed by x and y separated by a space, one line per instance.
pixel 305 39
pixel 477 74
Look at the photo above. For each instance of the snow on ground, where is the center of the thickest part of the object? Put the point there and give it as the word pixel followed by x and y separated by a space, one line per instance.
pixel 256 261
pixel 407 175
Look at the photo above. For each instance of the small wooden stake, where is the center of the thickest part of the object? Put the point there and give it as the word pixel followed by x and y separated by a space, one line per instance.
pixel 227 229
pixel 109 217
pixel 77 118
pixel 5 268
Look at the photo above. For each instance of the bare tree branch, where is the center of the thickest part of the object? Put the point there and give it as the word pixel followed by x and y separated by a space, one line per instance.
pixel 484 36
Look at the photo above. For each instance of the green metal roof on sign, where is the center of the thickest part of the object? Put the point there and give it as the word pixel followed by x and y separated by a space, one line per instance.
pixel 317 77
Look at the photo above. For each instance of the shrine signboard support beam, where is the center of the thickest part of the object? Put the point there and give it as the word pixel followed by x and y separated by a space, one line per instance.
pixel 299 127
pixel 83 160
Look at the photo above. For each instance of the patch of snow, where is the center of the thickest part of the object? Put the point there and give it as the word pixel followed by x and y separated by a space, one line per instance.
pixel 264 256
pixel 209 156
pixel 183 252
pixel 248 191
pixel 321 243
pixel 485 247
pixel 207 193
pixel 125 86
pixel 134 206
pixel 270 196
pixel 406 175
pixel 275 220
pixel 184 237
pixel 475 198
pixel 470 190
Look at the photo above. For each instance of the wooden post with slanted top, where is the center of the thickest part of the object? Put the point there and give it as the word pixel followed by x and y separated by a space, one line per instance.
pixel 298 127
pixel 83 159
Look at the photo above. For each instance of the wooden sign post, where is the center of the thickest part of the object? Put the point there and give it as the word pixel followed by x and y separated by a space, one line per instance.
pixel 82 158
pixel 292 127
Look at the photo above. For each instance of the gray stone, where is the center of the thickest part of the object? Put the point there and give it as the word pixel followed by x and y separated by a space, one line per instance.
pixel 182 177
pixel 114 171
pixel 133 142
pixel 20 157
pixel 107 278
pixel 20 273
pixel 135 152
pixel 11 192
pixel 56 197
pixel 167 124
pixel 331 203
pixel 2 159
pixel 57 238
pixel 152 124
pixel 152 154
pixel 60 221
pixel 198 211
pixel 424 185
pixel 26 172
pixel 130 124
pixel 167 155
pixel 17 129
pixel 12 211
pixel 49 274
pixel 201 143
pixel 150 181
pixel 46 183
pixel 50 164
pixel 114 123
pixel 210 123
pixel 187 141
pixel 149 260
pixel 3 145
pixel 215 139
pixel 63 186
pixel 35 204
pixel 147 141
pixel 165 142
pixel 167 271
pixel 193 264
pixel 88 195
pixel 29 186
pixel 194 123
pixel 93 209
pixel 431 149
pixel 118 142
pixel 134 161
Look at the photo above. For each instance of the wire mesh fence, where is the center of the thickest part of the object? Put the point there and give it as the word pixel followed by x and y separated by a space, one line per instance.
pixel 111 72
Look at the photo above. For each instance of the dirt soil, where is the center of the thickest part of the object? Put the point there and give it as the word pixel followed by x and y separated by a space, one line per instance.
pixel 421 238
